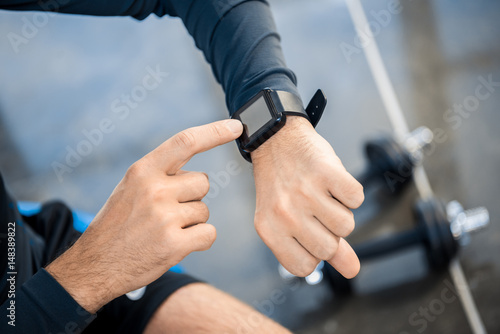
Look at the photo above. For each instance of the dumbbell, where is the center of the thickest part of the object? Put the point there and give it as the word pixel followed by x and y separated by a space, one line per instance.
pixel 392 161
pixel 440 229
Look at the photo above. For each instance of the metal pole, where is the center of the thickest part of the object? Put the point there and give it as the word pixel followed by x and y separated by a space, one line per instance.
pixel 401 130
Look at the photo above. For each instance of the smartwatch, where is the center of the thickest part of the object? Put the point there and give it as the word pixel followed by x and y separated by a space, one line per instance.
pixel 265 114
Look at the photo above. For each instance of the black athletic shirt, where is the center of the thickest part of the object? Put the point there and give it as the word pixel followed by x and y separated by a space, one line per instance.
pixel 238 39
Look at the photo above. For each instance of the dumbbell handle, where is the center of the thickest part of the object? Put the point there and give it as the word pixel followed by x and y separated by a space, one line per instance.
pixel 387 245
pixel 461 224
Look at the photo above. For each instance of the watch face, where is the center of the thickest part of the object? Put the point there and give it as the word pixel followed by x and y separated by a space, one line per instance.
pixel 256 116
pixel 260 119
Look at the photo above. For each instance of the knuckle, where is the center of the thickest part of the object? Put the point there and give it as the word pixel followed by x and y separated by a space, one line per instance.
pixel 208 237
pixel 154 193
pixel 353 192
pixel 216 132
pixel 158 214
pixel 260 224
pixel 169 216
pixel 328 250
pixel 167 237
pixel 281 210
pixel 303 190
pixel 326 164
pixel 358 195
pixel 204 184
pixel 170 242
pixel 135 171
pixel 265 231
pixel 347 224
pixel 328 167
pixel 203 212
pixel 305 268
pixel 185 140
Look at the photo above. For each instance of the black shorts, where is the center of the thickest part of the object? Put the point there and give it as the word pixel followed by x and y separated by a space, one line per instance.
pixel 47 234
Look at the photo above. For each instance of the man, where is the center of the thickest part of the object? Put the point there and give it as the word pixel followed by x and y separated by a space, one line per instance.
pixel 155 216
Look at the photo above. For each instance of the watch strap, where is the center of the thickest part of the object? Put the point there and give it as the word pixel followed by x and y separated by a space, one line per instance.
pixel 288 103
pixel 316 107
pixel 292 105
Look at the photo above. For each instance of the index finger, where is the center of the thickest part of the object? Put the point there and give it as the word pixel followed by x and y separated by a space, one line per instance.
pixel 179 149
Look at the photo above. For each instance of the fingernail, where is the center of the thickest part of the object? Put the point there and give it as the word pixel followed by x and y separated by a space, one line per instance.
pixel 235 125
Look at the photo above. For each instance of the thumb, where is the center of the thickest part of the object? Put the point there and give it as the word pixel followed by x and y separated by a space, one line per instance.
pixel 179 149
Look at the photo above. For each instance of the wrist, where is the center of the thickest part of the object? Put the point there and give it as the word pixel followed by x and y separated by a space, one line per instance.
pixel 285 139
pixel 82 279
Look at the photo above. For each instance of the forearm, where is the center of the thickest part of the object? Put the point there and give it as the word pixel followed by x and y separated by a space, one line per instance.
pixel 201 308
pixel 242 45
pixel 238 37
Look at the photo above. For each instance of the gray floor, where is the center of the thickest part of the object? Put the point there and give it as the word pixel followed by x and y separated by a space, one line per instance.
pixel 66 77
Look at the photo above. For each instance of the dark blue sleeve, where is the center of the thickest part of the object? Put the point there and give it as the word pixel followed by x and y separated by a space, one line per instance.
pixel 240 41
pixel 238 37
pixel 43 306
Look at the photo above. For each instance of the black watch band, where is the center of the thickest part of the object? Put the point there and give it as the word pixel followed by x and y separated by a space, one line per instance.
pixel 284 104
pixel 288 103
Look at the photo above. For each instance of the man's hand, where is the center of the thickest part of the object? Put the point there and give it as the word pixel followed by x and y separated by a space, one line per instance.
pixel 304 197
pixel 151 221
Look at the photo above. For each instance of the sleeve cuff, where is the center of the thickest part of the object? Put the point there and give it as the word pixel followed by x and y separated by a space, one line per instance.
pixel 44 303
